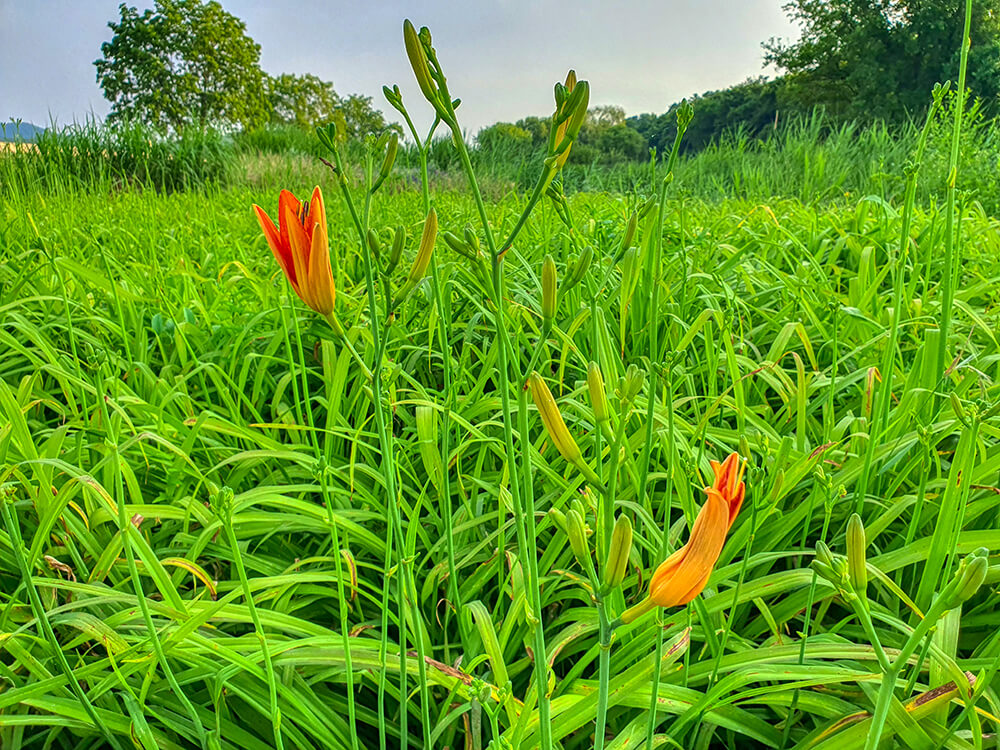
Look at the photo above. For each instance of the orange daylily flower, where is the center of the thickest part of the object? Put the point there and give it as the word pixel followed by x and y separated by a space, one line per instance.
pixel 683 575
pixel 299 244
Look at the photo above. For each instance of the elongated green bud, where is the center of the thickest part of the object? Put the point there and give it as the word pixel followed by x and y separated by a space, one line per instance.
pixel 427 441
pixel 580 268
pixel 823 554
pixel 580 112
pixel 576 530
pixel 571 80
pixel 856 545
pixel 396 251
pixel 633 222
pixel 548 291
pixel 471 237
pixel 618 552
pixel 646 207
pixel 598 396
pixel 418 61
pixel 374 243
pixel 222 503
pixel 956 405
pixel 459 246
pixel 630 277
pixel 388 161
pixel 630 385
pixel 559 517
pixel 553 421
pixel 423 259
pixel 968 578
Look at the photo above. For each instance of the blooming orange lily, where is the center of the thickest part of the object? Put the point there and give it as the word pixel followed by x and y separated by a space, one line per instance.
pixel 683 575
pixel 299 244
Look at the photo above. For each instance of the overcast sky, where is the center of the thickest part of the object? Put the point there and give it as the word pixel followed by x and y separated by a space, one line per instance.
pixel 501 57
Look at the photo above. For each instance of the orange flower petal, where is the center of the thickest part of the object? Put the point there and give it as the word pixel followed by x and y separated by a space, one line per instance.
pixel 682 576
pixel 320 274
pixel 298 241
pixel 281 252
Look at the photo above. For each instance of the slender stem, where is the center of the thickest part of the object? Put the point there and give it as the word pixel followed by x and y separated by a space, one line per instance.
pixel 603 671
pixel 342 601
pixel 227 524
pixel 522 505
pixel 126 528
pixel 947 280
pixel 543 180
pixel 407 586
pixel 448 393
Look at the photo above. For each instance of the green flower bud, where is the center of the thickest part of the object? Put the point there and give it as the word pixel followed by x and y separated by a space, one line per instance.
pixel 459 246
pixel 618 552
pixel 423 259
pixel 396 251
pixel 548 291
pixel 579 269
pixel 856 545
pixel 559 517
pixel 374 243
pixel 598 396
pixel 576 530
pixel 969 577
pixel 631 384
pixel 646 207
pixel 387 161
pixel 471 238
pixel 633 223
pixel 222 504
pixel 418 61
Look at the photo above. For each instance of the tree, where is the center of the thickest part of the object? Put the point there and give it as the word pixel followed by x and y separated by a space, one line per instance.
pixel 182 62
pixel 620 141
pixel 749 108
pixel 308 101
pixel 304 100
pixel 361 118
pixel 881 58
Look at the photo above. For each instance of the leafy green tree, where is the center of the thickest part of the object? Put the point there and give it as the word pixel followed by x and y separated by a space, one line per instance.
pixel 361 118
pixel 182 62
pixel 881 58
pixel 620 141
pixel 304 100
pixel 751 107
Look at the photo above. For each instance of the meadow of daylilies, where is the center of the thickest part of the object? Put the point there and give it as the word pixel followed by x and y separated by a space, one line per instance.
pixel 378 463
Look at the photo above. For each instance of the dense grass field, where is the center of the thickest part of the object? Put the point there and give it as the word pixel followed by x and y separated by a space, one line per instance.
pixel 225 525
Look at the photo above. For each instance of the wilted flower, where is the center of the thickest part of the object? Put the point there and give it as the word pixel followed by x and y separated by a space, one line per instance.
pixel 683 575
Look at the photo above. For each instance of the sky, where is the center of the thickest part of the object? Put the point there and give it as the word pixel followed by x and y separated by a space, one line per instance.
pixel 501 57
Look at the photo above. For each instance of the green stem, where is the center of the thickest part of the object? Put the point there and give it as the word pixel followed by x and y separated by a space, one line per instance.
pixel 543 180
pixel 947 280
pixel 227 523
pixel 126 529
pixel 389 474
pixel 603 673
pixel 522 505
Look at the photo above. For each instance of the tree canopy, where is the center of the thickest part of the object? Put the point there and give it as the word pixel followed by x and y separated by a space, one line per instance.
pixel 182 62
pixel 189 62
pixel 866 59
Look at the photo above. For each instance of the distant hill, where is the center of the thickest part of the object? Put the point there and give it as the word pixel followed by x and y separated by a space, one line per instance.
pixel 23 131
